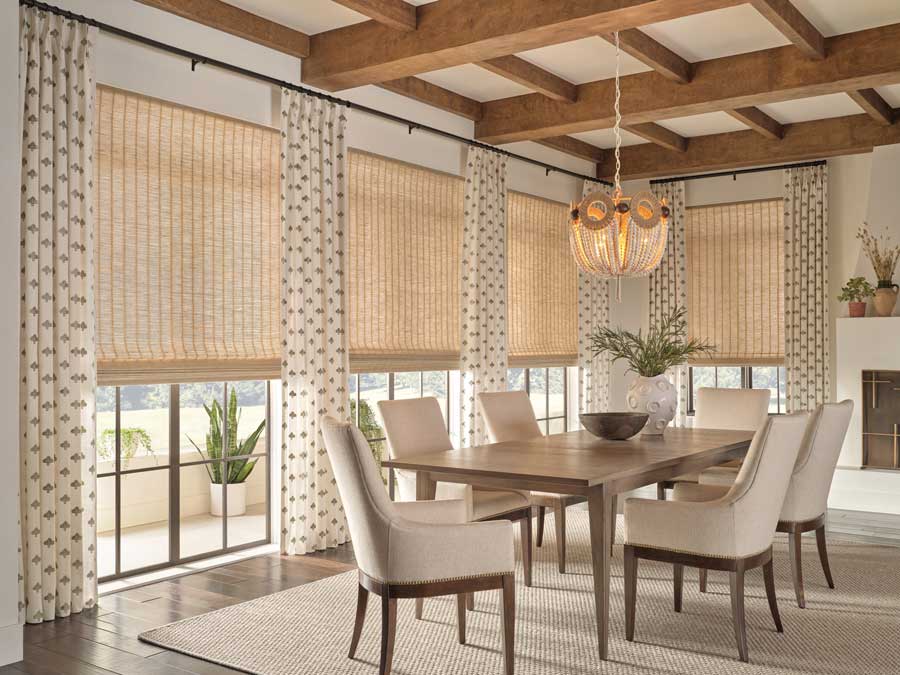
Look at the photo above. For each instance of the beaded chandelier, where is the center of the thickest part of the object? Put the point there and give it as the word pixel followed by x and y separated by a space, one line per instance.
pixel 615 236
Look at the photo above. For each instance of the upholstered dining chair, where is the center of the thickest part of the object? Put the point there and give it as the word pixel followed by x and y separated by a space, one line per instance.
pixel 732 533
pixel 735 409
pixel 806 503
pixel 416 426
pixel 415 549
pixel 509 416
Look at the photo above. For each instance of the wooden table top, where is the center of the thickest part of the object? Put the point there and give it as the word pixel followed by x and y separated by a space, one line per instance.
pixel 579 459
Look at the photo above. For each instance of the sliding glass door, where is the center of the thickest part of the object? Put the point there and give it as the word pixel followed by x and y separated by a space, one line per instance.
pixel 183 473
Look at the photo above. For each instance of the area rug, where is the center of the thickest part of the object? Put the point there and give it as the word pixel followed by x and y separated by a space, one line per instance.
pixel 852 629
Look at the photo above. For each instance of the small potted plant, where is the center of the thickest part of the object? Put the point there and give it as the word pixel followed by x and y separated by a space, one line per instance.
pixel 236 471
pixel 855 292
pixel 884 261
pixel 665 346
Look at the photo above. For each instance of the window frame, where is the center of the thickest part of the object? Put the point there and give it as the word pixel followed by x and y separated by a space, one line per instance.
pixel 746 383
pixel 549 418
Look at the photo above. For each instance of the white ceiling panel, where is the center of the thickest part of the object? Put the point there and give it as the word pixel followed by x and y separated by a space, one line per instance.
pixel 833 17
pixel 891 94
pixel 606 138
pixel 712 35
pixel 584 60
pixel 703 125
pixel 474 82
pixel 814 108
pixel 309 16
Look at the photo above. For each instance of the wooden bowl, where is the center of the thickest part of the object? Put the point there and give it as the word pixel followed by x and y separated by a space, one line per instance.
pixel 614 426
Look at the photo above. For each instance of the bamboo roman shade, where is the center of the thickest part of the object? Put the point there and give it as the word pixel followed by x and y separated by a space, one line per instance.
pixel 735 259
pixel 542 283
pixel 187 252
pixel 405 241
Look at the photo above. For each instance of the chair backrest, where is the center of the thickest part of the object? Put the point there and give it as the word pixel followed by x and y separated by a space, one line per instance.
pixel 413 426
pixel 762 482
pixel 509 416
pixel 737 409
pixel 368 509
pixel 807 496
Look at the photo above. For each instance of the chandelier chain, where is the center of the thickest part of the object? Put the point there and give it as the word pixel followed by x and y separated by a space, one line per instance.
pixel 617 127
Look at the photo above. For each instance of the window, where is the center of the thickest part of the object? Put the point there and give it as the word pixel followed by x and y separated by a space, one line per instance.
pixel 548 390
pixel 740 377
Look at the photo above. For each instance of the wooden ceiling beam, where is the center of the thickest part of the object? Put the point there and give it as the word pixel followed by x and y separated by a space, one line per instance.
pixel 438 97
pixel 395 14
pixel 450 33
pixel 574 147
pixel 802 141
pixel 855 61
pixel 651 53
pixel 875 106
pixel 529 75
pixel 793 25
pixel 757 120
pixel 659 135
pixel 230 19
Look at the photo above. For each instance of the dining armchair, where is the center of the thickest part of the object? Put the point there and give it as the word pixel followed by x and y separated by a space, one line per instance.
pixel 509 416
pixel 416 426
pixel 720 408
pixel 732 533
pixel 806 503
pixel 415 549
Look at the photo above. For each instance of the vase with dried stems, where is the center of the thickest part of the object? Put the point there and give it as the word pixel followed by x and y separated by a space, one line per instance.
pixel 883 257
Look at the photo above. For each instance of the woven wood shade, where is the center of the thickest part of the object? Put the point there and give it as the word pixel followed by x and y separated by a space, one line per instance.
pixel 542 283
pixel 405 241
pixel 735 259
pixel 188 243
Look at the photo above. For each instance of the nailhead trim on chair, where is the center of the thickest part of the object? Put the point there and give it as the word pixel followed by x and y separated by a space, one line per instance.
pixel 445 579
pixel 701 555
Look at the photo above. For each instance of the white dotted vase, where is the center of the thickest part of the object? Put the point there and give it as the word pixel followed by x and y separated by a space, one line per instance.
pixel 655 396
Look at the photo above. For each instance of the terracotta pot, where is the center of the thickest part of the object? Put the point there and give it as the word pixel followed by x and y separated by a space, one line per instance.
pixel 886 297
pixel 857 309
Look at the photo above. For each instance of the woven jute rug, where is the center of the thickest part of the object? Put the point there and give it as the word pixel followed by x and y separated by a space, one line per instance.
pixel 852 629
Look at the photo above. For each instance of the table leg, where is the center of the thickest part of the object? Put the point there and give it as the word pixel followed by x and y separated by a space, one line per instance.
pixel 425 486
pixel 599 505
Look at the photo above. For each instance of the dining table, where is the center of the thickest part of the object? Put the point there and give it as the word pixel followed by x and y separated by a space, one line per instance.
pixel 578 463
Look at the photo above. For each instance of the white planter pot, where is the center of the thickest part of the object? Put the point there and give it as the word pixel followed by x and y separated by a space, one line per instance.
pixel 655 396
pixel 237 499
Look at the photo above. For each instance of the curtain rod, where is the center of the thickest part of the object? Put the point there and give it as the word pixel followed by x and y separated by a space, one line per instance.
pixel 196 59
pixel 737 172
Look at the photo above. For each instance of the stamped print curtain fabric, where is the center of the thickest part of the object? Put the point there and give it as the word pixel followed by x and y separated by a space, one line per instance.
pixel 58 574
pixel 668 283
pixel 483 354
pixel 806 332
pixel 315 364
pixel 593 313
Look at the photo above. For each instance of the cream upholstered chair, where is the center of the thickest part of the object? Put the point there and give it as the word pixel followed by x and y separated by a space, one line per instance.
pixel 509 416
pixel 415 549
pixel 736 409
pixel 732 533
pixel 806 503
pixel 416 426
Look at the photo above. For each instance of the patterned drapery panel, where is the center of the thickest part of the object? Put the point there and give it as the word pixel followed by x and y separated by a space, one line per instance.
pixel 668 283
pixel 806 331
pixel 315 366
pixel 593 313
pixel 483 354
pixel 58 567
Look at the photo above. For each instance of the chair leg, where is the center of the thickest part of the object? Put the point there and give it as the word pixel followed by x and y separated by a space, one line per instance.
pixel 704 574
pixel 470 602
pixel 539 540
pixel 362 599
pixel 736 579
pixel 661 491
pixel 461 616
pixel 678 585
pixel 823 554
pixel 613 519
pixel 388 629
pixel 769 576
pixel 559 520
pixel 525 530
pixel 420 606
pixel 631 565
pixel 794 548
pixel 508 622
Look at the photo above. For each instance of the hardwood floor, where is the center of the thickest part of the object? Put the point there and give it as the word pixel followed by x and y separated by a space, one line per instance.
pixel 104 641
